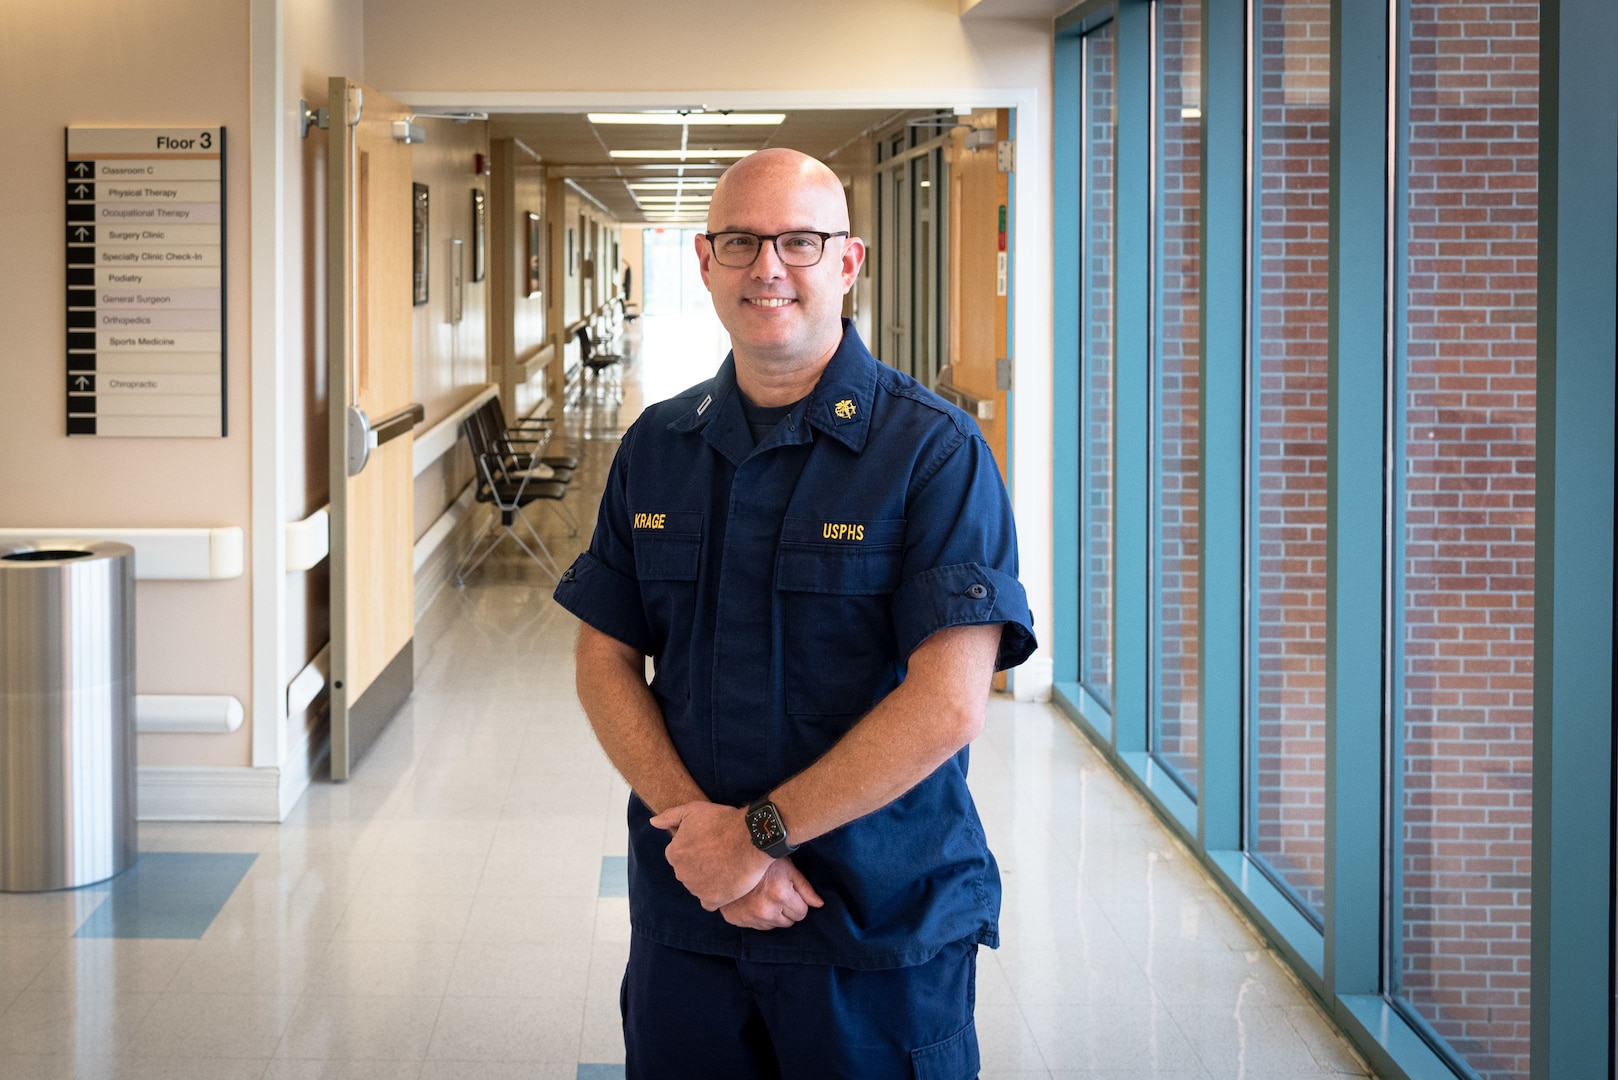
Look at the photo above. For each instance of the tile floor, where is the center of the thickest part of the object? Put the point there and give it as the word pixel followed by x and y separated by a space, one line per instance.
pixel 457 909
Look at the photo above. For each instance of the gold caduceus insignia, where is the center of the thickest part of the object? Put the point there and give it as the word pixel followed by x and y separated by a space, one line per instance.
pixel 844 409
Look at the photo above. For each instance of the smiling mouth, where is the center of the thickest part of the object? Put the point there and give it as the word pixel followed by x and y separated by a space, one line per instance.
pixel 771 301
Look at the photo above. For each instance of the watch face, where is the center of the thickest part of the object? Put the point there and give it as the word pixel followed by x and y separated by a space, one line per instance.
pixel 765 825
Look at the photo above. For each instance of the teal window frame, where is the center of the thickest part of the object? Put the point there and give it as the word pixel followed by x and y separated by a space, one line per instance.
pixel 1574 882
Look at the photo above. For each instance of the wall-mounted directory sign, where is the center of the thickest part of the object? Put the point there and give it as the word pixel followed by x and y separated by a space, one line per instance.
pixel 145 281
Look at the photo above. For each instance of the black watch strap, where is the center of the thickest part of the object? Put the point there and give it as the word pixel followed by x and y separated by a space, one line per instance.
pixel 765 829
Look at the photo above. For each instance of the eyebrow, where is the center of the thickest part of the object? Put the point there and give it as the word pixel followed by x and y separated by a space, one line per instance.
pixel 755 232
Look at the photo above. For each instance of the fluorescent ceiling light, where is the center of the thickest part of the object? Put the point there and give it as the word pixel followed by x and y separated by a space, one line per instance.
pixel 692 118
pixel 652 170
pixel 679 155
pixel 662 185
pixel 673 198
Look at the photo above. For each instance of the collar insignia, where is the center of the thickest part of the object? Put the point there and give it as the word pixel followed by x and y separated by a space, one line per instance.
pixel 844 409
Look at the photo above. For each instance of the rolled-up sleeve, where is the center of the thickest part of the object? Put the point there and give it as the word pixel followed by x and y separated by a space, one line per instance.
pixel 960 563
pixel 600 587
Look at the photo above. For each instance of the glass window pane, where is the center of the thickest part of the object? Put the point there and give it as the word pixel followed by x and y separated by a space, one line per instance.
pixel 1287 583
pixel 1467 611
pixel 1099 111
pixel 1177 459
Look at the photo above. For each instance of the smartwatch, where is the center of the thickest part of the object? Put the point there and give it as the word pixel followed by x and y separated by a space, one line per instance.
pixel 764 828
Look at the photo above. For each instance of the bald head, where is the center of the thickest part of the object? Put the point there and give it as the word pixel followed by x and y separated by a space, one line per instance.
pixel 784 319
pixel 779 175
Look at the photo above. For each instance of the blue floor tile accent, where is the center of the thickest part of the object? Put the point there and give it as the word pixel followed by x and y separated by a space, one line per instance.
pixel 600 1072
pixel 167 894
pixel 614 877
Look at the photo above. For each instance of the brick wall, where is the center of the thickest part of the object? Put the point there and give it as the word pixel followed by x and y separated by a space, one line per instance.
pixel 1289 533
pixel 1178 462
pixel 1100 79
pixel 1469 526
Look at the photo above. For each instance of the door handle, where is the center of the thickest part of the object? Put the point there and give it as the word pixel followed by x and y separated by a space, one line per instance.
pixel 364 436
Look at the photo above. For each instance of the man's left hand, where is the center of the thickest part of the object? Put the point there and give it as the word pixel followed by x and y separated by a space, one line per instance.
pixel 711 852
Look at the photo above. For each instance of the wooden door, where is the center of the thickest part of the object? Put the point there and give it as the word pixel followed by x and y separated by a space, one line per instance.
pixel 980 227
pixel 372 214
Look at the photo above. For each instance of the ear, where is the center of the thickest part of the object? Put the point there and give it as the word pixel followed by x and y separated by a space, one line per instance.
pixel 853 259
pixel 704 253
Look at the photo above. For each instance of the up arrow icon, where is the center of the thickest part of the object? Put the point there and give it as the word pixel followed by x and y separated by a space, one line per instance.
pixel 81 191
pixel 82 168
pixel 81 382
pixel 80 233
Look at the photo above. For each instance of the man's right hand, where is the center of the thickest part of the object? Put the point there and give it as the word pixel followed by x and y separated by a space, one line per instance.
pixel 782 897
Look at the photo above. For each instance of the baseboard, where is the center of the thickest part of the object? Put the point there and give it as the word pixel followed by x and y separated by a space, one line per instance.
pixel 438 568
pixel 208 793
pixel 303 761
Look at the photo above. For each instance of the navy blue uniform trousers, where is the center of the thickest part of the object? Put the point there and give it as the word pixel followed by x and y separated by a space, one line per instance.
pixel 696 1016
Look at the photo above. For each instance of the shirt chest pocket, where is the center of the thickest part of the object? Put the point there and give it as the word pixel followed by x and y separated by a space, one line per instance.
pixel 668 545
pixel 836 582
pixel 668 559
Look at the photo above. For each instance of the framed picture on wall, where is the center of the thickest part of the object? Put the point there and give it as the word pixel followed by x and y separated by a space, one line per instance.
pixel 479 218
pixel 418 247
pixel 457 279
pixel 535 254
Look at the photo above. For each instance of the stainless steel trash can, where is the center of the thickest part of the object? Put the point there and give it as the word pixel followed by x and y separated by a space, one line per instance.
pixel 67 713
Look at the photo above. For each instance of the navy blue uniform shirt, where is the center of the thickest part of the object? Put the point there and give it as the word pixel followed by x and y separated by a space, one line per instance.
pixel 779 590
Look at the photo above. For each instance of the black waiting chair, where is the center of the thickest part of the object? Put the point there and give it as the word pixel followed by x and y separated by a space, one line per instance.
pixel 506 480
pixel 529 428
pixel 597 365
pixel 519 450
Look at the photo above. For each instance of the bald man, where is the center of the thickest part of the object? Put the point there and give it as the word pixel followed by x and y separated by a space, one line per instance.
pixel 819 556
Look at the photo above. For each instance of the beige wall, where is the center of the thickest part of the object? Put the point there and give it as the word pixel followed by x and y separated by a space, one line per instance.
pixel 450 358
pixel 528 311
pixel 908 44
pixel 529 330
pixel 130 63
pixel 570 237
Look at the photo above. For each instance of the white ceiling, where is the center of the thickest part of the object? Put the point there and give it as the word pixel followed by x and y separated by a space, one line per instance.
pixel 579 149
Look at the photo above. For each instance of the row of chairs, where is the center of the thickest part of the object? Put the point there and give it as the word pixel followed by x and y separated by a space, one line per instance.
pixel 513 471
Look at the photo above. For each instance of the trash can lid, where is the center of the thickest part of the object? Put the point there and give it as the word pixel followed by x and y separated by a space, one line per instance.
pixel 41 555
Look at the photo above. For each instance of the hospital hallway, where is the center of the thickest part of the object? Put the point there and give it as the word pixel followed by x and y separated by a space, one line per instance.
pixel 457 908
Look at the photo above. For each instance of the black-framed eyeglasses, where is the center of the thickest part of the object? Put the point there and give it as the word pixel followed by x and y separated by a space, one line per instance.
pixel 738 250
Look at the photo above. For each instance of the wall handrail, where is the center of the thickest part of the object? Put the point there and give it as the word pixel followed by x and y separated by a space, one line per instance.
pixel 195 554
pixel 540 359
pixel 438 440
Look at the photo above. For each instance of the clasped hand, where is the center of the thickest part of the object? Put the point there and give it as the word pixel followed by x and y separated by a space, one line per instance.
pixel 713 858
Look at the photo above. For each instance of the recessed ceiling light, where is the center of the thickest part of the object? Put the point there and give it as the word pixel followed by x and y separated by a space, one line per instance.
pixel 663 185
pixel 679 155
pixel 653 170
pixel 691 118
